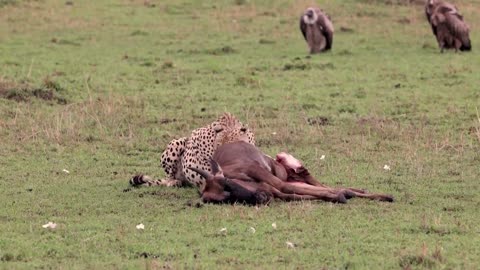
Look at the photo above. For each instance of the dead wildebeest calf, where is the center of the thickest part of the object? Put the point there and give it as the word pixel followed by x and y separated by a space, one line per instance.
pixel 242 173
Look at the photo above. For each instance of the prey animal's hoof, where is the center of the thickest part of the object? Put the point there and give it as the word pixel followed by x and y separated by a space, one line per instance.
pixel 387 198
pixel 348 194
pixel 340 198
pixel 262 197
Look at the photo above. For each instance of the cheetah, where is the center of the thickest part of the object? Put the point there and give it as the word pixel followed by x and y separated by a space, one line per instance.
pixel 195 152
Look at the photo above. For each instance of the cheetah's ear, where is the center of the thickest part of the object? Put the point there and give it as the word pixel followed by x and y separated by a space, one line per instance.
pixel 244 128
pixel 216 169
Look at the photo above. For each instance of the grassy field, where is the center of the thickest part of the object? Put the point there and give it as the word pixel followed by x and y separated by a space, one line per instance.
pixel 98 88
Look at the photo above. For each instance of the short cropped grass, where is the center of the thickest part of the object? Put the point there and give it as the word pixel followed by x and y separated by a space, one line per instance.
pixel 92 91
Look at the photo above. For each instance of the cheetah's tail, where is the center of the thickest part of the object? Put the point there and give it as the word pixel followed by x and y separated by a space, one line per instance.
pixel 144 180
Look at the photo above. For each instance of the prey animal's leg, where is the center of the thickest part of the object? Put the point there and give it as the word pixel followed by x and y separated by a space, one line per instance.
pixel 372 196
pixel 262 175
pixel 354 192
pixel 288 197
pixel 299 176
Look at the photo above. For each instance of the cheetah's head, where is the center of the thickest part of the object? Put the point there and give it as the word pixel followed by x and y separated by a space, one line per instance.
pixel 229 129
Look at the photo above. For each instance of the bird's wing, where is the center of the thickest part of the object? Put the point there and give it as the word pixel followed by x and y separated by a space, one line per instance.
pixel 326 27
pixel 428 14
pixel 303 27
pixel 457 27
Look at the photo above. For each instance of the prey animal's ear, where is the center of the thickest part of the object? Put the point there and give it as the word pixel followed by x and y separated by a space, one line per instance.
pixel 216 169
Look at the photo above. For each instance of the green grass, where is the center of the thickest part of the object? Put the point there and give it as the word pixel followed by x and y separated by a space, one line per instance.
pixel 105 85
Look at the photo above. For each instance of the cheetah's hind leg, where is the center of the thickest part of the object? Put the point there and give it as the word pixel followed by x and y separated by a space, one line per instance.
pixel 145 180
pixel 171 162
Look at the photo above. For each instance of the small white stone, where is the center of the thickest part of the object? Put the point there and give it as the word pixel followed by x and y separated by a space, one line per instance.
pixel 50 225
pixel 140 226
pixel 274 225
pixel 386 167
pixel 322 157
pixel 274 133
pixel 290 244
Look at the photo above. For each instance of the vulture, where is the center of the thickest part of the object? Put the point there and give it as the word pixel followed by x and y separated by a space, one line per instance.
pixel 317 29
pixel 448 25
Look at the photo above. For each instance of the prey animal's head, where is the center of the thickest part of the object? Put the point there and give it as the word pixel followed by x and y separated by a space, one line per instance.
pixel 310 15
pixel 296 172
pixel 214 181
pixel 289 162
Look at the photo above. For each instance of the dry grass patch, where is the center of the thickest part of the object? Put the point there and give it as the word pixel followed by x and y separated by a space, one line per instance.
pixel 26 16
pixel 108 118
pixel 476 128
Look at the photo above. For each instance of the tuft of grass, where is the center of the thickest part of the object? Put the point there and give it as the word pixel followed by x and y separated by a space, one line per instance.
pixel 49 91
pixel 247 82
pixel 297 64
pixel 221 51
pixel 424 259
pixel 240 2
pixel 396 2
pixel 139 33
pixel 318 120
pixel 345 29
pixel 476 130
pixel 167 65
pixel 64 42
pixel 266 41
pixel 7 2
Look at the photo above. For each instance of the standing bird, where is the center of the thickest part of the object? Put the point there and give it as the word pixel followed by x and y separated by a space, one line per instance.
pixel 448 26
pixel 317 29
